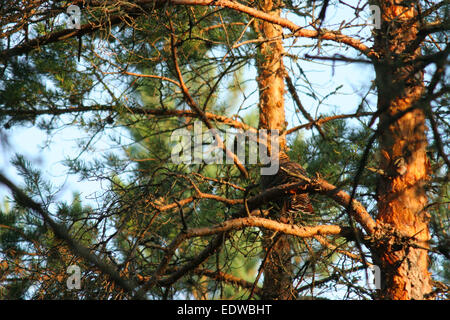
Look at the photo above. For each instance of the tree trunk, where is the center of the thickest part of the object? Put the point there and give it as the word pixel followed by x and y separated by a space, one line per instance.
pixel 402 198
pixel 278 266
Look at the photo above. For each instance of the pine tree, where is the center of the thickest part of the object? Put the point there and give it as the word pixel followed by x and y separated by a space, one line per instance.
pixel 136 72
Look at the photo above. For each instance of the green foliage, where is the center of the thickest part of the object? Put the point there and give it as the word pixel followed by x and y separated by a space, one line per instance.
pixel 124 89
pixel 33 262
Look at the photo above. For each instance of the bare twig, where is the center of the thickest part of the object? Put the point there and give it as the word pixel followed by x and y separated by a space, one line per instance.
pixel 299 104
pixel 62 233
pixel 191 102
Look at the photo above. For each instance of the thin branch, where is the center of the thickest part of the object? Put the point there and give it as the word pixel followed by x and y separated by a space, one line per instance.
pixel 224 228
pixel 327 119
pixel 130 10
pixel 228 278
pixel 286 23
pixel 150 76
pixel 338 57
pixel 323 241
pixel 335 276
pixel 193 105
pixel 134 110
pixel 210 249
pixel 299 104
pixel 35 43
pixel 319 186
pixel 61 232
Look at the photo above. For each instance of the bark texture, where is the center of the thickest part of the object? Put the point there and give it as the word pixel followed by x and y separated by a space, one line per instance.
pixel 277 264
pixel 402 218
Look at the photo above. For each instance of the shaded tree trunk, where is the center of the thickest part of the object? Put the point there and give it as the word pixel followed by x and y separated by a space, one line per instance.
pixel 402 198
pixel 278 266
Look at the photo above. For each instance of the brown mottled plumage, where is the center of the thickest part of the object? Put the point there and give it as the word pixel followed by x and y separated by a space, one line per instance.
pixel 293 205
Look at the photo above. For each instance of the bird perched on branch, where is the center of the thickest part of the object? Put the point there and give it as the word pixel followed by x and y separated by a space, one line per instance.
pixel 292 205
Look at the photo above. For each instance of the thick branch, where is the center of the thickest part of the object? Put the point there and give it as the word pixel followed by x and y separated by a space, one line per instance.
pixel 219 231
pixel 358 211
pixel 35 43
pixel 132 11
pixel 241 223
pixel 308 185
pixel 285 23
pixel 133 110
